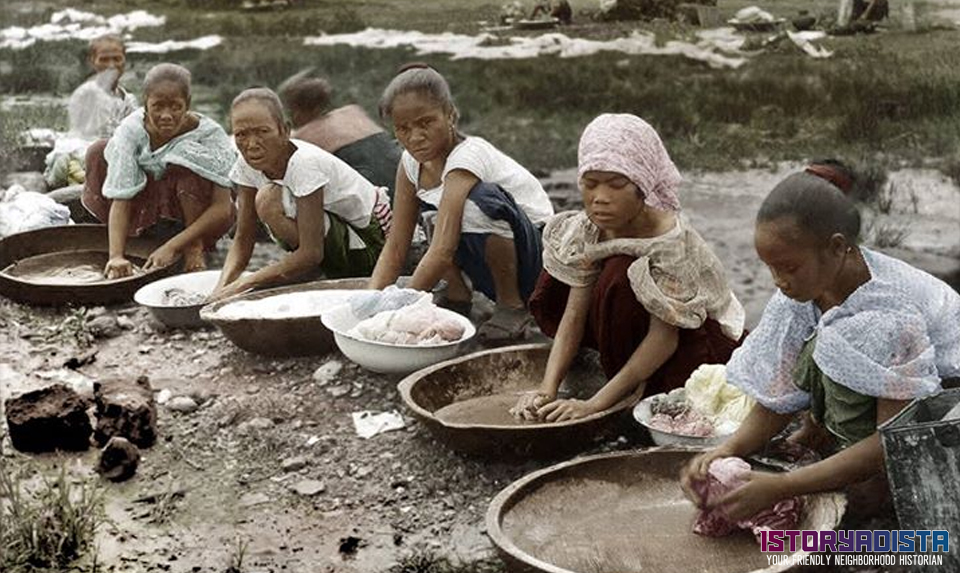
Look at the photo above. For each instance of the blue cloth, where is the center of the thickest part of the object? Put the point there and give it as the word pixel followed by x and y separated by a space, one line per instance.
pixel 471 251
pixel 206 150
pixel 895 337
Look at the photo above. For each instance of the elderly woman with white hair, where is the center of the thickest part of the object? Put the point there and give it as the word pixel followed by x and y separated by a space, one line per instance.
pixel 629 277
pixel 329 218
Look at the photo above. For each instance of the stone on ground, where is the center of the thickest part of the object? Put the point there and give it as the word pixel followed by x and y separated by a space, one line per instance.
pixel 118 460
pixel 309 487
pixel 48 419
pixel 126 409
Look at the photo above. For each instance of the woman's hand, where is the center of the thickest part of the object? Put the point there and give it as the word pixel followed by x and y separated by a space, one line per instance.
pixel 528 404
pixel 117 268
pixel 162 257
pixel 762 491
pixel 562 410
pixel 236 287
pixel 696 470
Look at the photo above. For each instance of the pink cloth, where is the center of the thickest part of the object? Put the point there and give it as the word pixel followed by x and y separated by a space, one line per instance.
pixel 686 423
pixel 624 143
pixel 724 476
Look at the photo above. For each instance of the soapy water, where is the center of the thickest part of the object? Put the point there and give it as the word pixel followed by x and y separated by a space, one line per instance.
pixel 495 409
pixel 181 297
pixel 291 305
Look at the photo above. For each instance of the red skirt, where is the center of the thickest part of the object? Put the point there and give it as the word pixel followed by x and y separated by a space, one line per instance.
pixel 159 199
pixel 618 323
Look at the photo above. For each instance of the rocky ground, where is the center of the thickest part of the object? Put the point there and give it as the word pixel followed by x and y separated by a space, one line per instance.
pixel 257 465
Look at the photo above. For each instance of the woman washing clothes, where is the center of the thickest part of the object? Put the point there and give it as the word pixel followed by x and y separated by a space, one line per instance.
pixel 629 277
pixel 347 131
pixel 850 337
pixel 315 206
pixel 163 161
pixel 486 209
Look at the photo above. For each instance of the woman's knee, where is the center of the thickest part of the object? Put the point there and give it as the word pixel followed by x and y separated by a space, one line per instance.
pixel 269 202
pixel 95 152
pixel 189 186
pixel 500 253
pixel 95 166
pixel 229 214
pixel 548 303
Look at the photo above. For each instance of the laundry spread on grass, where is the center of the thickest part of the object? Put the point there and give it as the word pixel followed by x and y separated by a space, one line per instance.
pixel 71 24
pixel 718 48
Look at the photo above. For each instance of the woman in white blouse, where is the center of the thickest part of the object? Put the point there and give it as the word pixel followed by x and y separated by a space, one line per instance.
pixel 850 338
pixel 484 208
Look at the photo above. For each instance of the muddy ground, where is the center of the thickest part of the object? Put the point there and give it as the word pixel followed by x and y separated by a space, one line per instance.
pixel 218 477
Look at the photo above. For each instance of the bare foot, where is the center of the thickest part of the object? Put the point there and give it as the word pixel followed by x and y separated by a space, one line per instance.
pixel 194 260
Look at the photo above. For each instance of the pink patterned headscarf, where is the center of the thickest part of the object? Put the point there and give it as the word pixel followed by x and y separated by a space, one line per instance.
pixel 624 143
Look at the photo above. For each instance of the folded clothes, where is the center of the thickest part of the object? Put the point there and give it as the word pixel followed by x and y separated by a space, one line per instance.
pixel 706 406
pixel 680 419
pixel 724 476
pixel 708 391
pixel 419 324
pixel 366 303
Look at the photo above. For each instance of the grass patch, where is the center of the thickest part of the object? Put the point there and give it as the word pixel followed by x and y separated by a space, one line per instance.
pixel 424 560
pixel 73 330
pixel 19 118
pixel 237 556
pixel 885 234
pixel 887 95
pixel 46 527
pixel 951 168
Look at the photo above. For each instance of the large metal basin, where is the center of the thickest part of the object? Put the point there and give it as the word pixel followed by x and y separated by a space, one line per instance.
pixel 82 241
pixel 502 373
pixel 624 512
pixel 300 336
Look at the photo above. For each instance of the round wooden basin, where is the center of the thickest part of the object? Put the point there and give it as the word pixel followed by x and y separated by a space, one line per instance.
pixel 83 247
pixel 624 512
pixel 465 402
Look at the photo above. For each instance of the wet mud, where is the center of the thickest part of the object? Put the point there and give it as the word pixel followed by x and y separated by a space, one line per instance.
pixel 492 410
pixel 65 268
pixel 629 517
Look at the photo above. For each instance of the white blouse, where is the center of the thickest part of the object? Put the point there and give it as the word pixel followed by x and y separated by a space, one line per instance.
pixel 895 337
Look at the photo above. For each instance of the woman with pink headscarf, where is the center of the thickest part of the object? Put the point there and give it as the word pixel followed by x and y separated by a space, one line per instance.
pixel 629 277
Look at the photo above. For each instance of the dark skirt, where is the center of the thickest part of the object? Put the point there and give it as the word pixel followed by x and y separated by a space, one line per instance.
pixel 618 323
pixel 471 251
pixel 159 199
